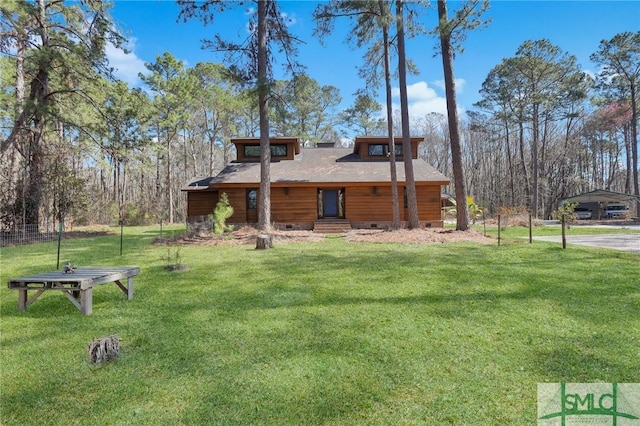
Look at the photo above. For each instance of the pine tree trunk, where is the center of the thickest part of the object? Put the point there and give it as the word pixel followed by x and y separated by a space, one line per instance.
pixel 462 221
pixel 169 181
pixel 264 196
pixel 395 207
pixel 412 199
pixel 39 94
pixel 634 146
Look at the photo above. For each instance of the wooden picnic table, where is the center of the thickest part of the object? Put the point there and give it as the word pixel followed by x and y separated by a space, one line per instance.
pixel 76 285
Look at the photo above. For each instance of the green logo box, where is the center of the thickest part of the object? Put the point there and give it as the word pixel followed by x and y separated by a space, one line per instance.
pixel 578 404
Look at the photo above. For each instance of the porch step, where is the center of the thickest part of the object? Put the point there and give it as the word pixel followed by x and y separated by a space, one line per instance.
pixel 331 226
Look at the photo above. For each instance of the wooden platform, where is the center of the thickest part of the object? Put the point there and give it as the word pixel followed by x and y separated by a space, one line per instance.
pixel 77 286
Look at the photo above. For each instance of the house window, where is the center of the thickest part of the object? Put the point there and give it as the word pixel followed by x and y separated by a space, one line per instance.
pixel 251 150
pixel 279 150
pixel 252 199
pixel 377 150
pixel 381 150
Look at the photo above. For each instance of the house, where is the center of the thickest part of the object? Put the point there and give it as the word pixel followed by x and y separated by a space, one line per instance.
pixel 314 187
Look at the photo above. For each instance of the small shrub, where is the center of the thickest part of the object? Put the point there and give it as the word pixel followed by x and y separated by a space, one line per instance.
pixel 174 260
pixel 222 212
pixel 475 211
pixel 566 210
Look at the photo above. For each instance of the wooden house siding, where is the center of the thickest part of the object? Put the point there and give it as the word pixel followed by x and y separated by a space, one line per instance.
pixel 429 203
pixel 373 203
pixel 363 204
pixel 238 200
pixel 294 204
pixel 201 203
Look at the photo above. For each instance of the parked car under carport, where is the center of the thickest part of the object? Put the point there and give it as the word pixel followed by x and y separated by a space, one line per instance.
pixel 616 211
pixel 582 213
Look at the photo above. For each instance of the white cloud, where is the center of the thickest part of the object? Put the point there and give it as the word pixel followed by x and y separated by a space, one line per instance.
pixel 460 83
pixel 424 100
pixel 126 65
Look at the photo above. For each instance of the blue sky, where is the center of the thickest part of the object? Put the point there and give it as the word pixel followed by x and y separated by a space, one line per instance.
pixel 576 27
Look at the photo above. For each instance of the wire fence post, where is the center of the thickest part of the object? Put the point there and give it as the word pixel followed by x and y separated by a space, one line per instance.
pixel 564 236
pixel 59 239
pixel 499 226
pixel 484 223
pixel 121 231
pixel 530 229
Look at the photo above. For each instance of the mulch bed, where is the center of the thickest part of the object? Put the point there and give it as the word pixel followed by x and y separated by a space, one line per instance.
pixel 247 235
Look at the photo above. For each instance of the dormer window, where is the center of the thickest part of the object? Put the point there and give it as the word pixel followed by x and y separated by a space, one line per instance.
pixel 282 148
pixel 251 150
pixel 376 148
pixel 279 150
pixel 382 150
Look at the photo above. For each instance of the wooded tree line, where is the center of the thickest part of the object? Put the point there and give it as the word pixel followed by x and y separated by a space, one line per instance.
pixel 78 145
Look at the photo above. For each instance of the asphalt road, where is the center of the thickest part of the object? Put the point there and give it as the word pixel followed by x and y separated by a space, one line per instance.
pixel 624 242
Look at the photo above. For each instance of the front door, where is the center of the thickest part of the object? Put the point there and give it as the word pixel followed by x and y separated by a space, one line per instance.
pixel 330 203
pixel 330 199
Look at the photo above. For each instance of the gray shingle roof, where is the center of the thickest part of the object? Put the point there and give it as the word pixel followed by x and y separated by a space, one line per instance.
pixel 323 165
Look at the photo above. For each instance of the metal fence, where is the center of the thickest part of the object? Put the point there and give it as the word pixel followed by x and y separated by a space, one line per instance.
pixel 28 234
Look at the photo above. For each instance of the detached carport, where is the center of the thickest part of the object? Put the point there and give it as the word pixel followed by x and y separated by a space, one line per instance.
pixel 601 196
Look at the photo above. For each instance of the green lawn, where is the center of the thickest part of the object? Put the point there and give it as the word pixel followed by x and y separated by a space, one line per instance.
pixel 520 234
pixel 319 333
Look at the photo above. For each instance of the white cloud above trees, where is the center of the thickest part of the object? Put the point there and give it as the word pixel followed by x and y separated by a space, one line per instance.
pixel 424 99
pixel 126 65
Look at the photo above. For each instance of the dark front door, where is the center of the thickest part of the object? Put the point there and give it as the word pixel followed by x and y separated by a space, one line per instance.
pixel 330 202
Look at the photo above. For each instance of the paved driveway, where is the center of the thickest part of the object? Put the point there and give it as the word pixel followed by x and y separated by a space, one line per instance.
pixel 624 242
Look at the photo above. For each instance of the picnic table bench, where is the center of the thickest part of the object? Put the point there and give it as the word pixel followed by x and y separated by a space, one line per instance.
pixel 77 285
